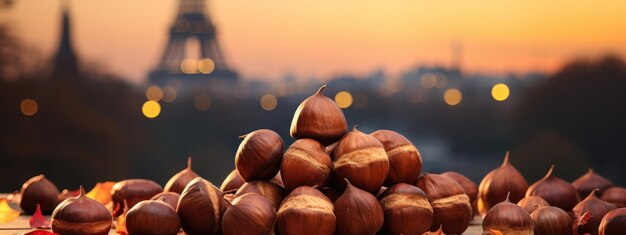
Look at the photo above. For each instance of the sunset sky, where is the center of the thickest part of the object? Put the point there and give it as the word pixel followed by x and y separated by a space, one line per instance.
pixel 322 38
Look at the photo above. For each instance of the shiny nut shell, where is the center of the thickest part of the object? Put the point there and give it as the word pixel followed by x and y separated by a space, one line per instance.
pixel 405 162
pixel 306 211
pixel 259 154
pixel 305 163
pixel 133 191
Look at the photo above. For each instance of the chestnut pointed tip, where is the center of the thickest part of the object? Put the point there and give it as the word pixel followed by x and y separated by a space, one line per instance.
pixel 81 191
pixel 242 136
pixel 189 163
pixel 549 174
pixel 319 91
pixel 354 127
pixel 593 193
pixel 508 195
pixel 590 171
pixel 506 158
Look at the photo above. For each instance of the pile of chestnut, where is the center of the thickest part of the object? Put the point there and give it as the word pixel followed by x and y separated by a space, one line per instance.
pixel 335 181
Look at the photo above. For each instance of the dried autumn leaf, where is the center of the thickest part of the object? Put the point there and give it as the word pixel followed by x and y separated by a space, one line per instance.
pixel 7 214
pixel 495 232
pixel 40 232
pixel 38 220
pixel 101 192
pixel 438 232
pixel 580 221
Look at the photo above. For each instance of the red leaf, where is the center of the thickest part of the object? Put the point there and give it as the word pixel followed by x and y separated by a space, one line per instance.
pixel 40 232
pixel 117 209
pixel 38 220
pixel 580 221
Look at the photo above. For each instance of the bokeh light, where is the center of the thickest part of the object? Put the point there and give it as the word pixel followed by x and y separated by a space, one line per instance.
pixel 151 109
pixel 500 92
pixel 202 102
pixel 269 102
pixel 452 96
pixel 29 107
pixel 206 66
pixel 428 80
pixel 154 92
pixel 343 99
pixel 169 94
pixel 189 66
pixel 441 80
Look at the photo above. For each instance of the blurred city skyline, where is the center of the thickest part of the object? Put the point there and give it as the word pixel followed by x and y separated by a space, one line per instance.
pixel 270 39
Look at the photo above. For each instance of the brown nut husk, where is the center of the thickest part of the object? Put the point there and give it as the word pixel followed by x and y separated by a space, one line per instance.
pixel 470 188
pixel 613 223
pixel 550 220
pixel 268 189
pixel 306 211
pixel 362 160
pixel 201 207
pixel 452 209
pixel 498 183
pixel 406 209
pixel 597 209
pixel 178 182
pixel 259 155
pixel 319 118
pixel 305 163
pixel 531 203
pixel 133 191
pixel 358 212
pixel 171 198
pixel 508 218
pixel 590 181
pixel 39 190
pixel 81 216
pixel 615 196
pixel 232 182
pixel 152 217
pixel 405 162
pixel 555 191
pixel 250 214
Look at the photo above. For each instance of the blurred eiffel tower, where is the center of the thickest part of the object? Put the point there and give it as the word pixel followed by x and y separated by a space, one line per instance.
pixel 192 23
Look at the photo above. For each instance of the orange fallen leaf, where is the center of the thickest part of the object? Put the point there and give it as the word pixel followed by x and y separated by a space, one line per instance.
pixel 7 214
pixel 40 232
pixel 495 232
pixel 38 220
pixel 438 232
pixel 101 192
pixel 121 221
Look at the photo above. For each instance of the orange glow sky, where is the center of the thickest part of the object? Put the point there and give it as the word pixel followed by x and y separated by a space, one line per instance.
pixel 322 38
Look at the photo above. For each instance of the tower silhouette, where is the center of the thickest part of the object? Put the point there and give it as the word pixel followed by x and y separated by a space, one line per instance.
pixel 65 61
pixel 192 23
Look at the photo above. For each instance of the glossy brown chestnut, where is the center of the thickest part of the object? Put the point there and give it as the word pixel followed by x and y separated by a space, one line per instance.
pixel 133 191
pixel 171 198
pixel 616 196
pixel 550 220
pixel 319 118
pixel 39 190
pixel 406 209
pixel 250 214
pixel 451 205
pixel 152 217
pixel 358 212
pixel 555 191
pixel 178 182
pixel 81 216
pixel 507 218
pixel 531 203
pixel 405 162
pixel 613 223
pixel 232 182
pixel 590 181
pixel 305 163
pixel 268 189
pixel 306 211
pixel 201 207
pixel 470 188
pixel 498 183
pixel 361 159
pixel 597 209
pixel 259 155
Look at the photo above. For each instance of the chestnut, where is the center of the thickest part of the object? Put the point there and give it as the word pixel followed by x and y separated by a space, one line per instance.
pixel 358 212
pixel 597 209
pixel 507 218
pixel 81 216
pixel 306 211
pixel 178 182
pixel 171 198
pixel 268 189
pixel 249 214
pixel 200 207
pixel 319 118
pixel 361 159
pixel 613 223
pixel 152 217
pixel 278 179
pixel 550 220
pixel 133 191
pixel 405 162
pixel 232 182
pixel 498 183
pixel 616 196
pixel 531 203
pixel 590 181
pixel 259 155
pixel 406 209
pixel 305 163
pixel 555 191
pixel 39 190
pixel 451 206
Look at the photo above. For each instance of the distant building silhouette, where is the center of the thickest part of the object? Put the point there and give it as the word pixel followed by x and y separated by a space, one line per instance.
pixel 65 61
pixel 192 23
